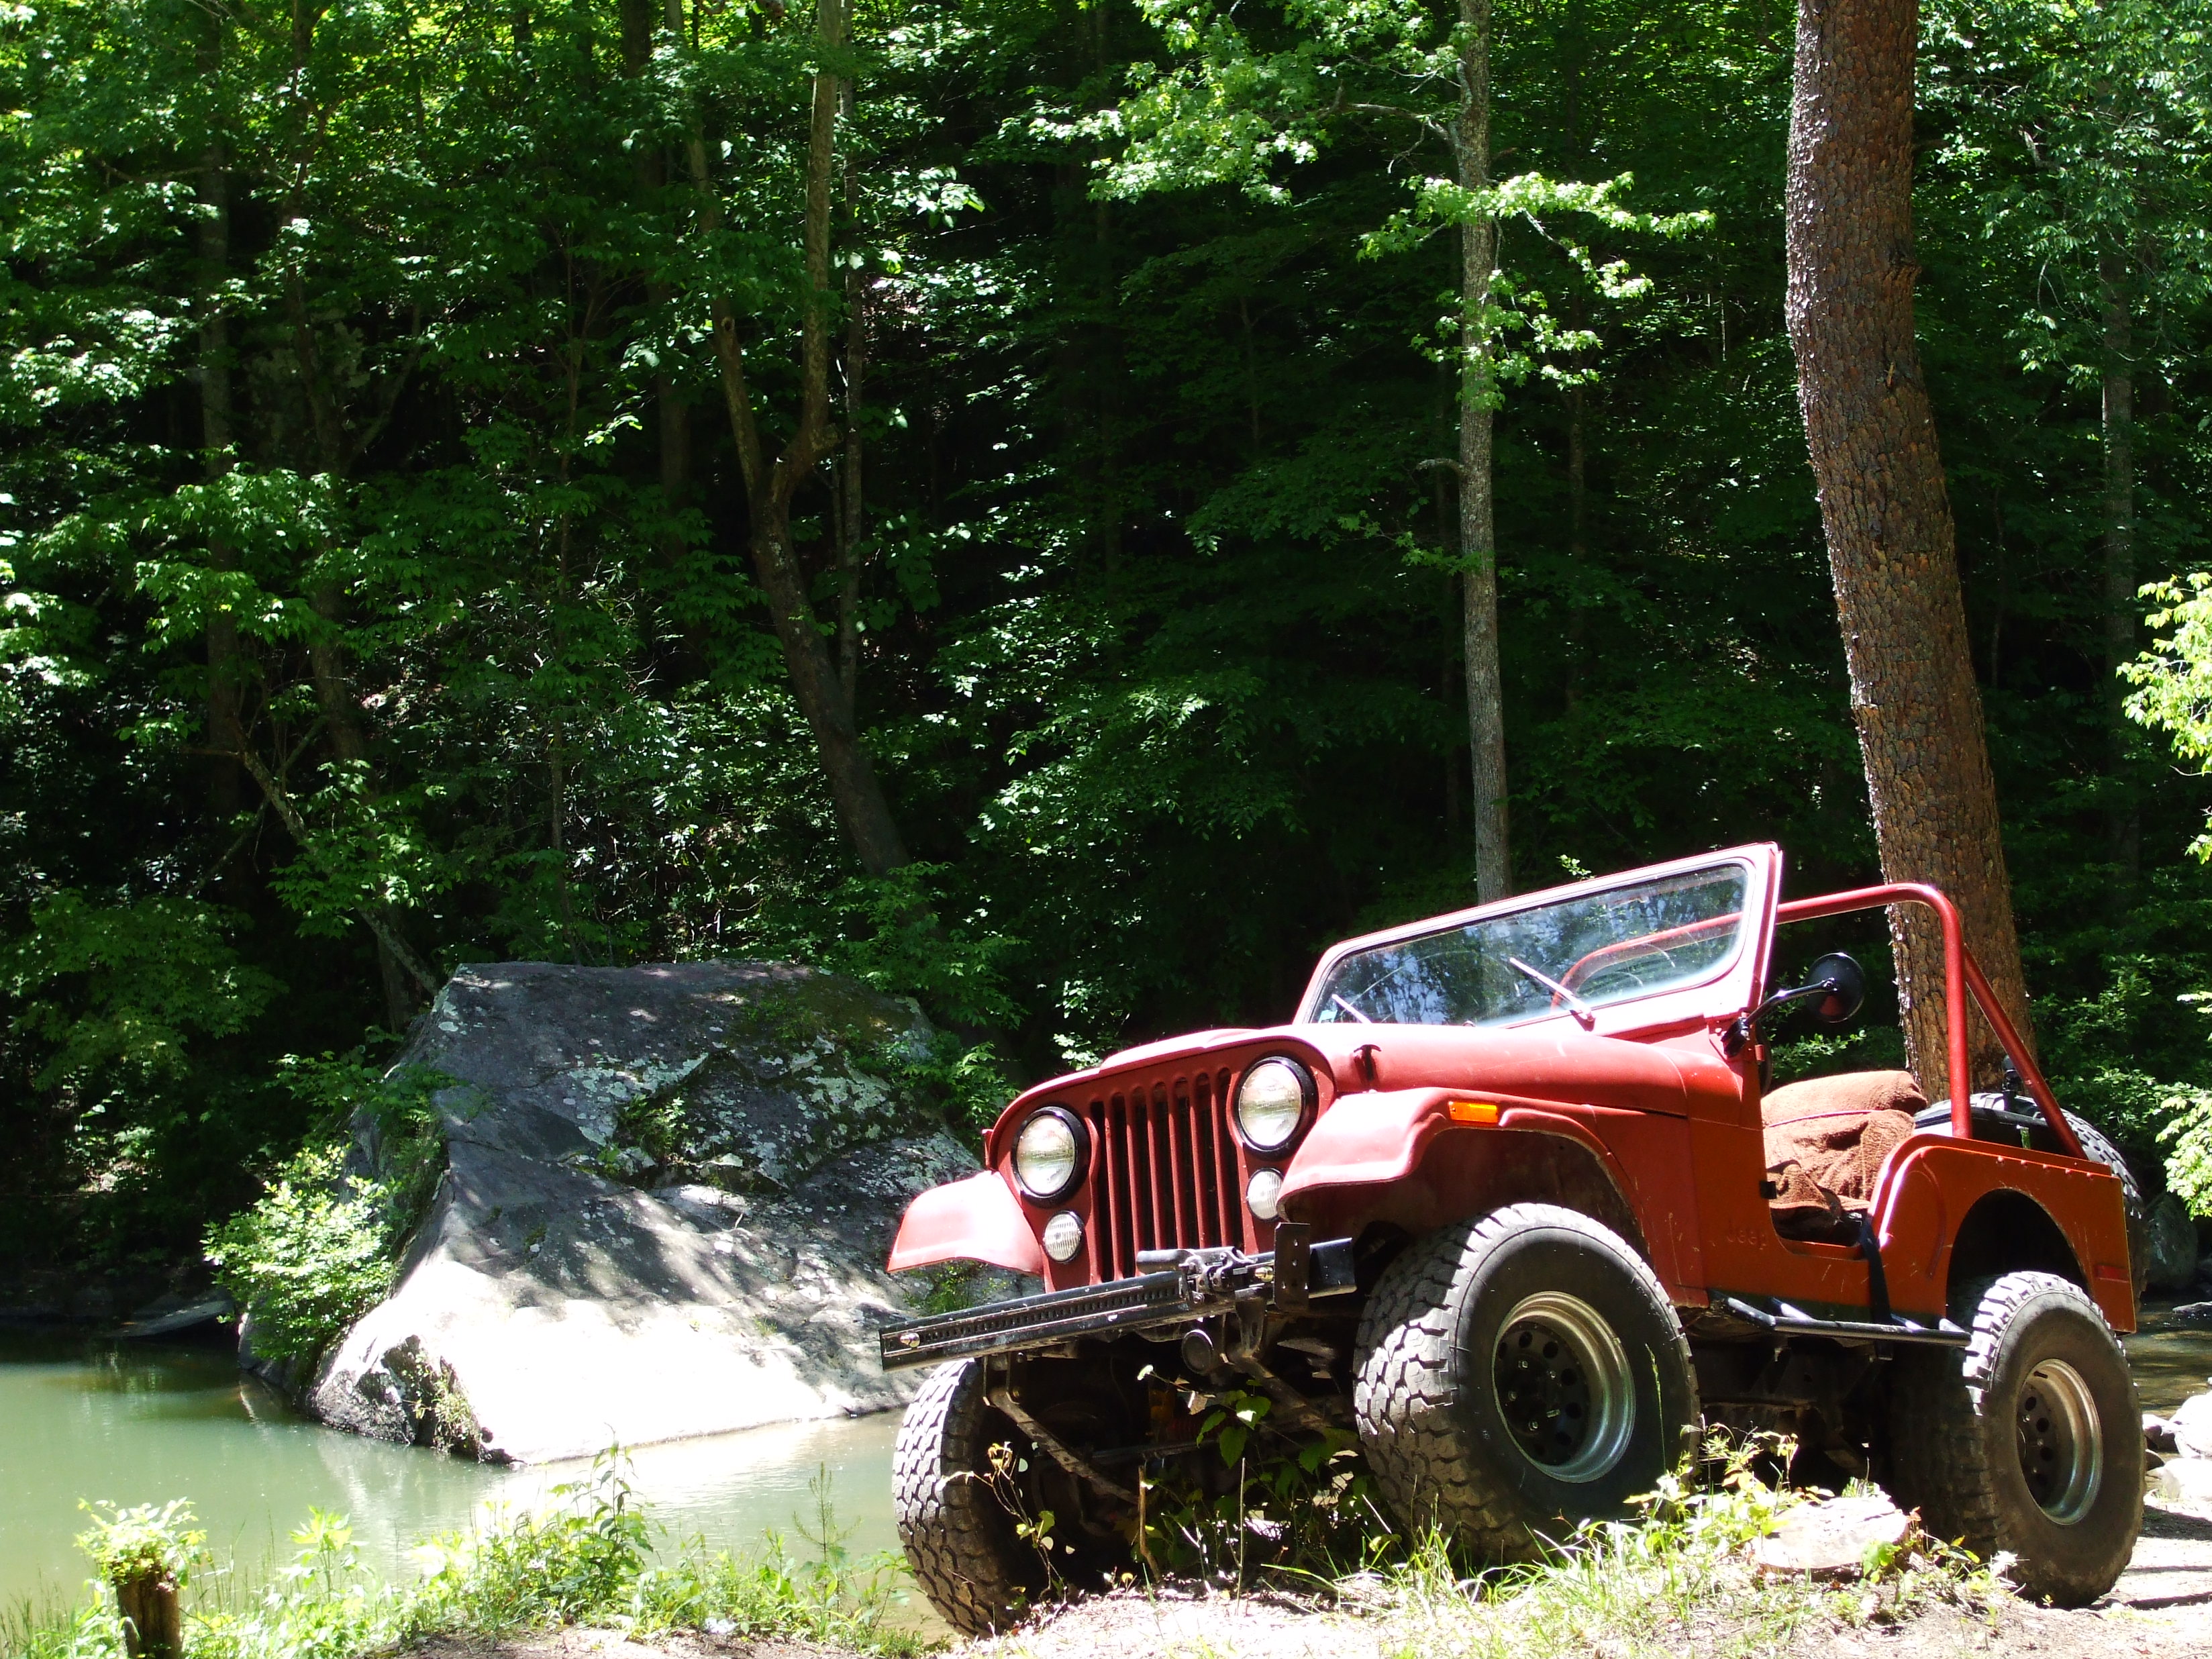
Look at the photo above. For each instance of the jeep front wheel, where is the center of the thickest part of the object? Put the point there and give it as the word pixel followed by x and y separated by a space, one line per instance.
pixel 2029 1440
pixel 1520 1375
pixel 956 1519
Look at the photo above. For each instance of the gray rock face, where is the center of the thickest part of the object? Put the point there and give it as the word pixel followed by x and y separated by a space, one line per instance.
pixel 2173 1245
pixel 670 1194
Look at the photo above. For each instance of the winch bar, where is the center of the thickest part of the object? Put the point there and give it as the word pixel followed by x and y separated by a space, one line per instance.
pixel 1201 1283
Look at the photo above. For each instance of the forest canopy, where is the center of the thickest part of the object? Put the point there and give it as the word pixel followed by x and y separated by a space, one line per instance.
pixel 396 394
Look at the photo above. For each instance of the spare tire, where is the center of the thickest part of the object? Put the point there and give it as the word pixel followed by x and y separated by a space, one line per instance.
pixel 1994 1119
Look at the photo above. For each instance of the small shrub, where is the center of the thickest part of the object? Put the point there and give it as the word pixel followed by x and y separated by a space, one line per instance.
pixel 319 1249
pixel 309 1259
pixel 581 1558
pixel 143 1541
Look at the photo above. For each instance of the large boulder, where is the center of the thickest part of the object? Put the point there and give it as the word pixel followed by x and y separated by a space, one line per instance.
pixel 669 1197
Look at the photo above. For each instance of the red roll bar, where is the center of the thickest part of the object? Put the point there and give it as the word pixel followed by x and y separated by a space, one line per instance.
pixel 1961 975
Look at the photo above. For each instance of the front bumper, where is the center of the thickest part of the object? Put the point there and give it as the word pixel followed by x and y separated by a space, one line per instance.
pixel 1200 1284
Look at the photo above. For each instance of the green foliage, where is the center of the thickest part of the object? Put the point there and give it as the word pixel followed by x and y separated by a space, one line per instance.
pixel 311 1257
pixel 144 1542
pixel 582 1556
pixel 2173 678
pixel 117 991
pixel 588 1557
pixel 1298 1504
pixel 2189 1166
pixel 321 1246
pixel 1152 589
pixel 1644 1586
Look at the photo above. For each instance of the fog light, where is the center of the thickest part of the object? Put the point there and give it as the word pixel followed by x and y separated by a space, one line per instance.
pixel 1063 1235
pixel 1264 1196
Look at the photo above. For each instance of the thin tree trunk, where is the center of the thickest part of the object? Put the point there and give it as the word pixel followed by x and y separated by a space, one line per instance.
pixel 854 789
pixel 851 516
pixel 1577 537
pixel 373 916
pixel 2123 821
pixel 224 729
pixel 672 416
pixel 1871 432
pixel 1478 526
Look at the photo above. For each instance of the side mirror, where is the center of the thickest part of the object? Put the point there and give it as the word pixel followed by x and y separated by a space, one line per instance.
pixel 1846 983
pixel 1836 980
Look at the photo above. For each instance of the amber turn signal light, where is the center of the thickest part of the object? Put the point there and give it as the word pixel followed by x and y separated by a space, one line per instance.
pixel 1474 1111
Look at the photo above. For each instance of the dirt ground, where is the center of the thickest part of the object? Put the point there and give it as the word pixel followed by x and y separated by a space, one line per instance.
pixel 2161 1608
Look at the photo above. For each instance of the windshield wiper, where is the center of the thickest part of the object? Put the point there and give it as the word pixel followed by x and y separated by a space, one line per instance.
pixel 1363 1018
pixel 1581 1010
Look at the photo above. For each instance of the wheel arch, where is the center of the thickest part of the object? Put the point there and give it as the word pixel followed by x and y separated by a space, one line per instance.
pixel 1463 1174
pixel 2007 1230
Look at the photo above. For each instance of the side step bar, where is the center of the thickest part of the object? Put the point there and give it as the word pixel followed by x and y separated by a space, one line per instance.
pixel 1787 1321
pixel 1200 1284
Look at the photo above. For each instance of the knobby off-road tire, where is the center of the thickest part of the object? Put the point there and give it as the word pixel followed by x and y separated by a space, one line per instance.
pixel 957 1531
pixel 2029 1440
pixel 1518 1374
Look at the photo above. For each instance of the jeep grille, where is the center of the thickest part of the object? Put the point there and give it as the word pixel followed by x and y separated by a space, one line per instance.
pixel 1166 1173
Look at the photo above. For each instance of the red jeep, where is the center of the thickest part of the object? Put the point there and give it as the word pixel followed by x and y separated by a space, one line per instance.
pixel 1509 1198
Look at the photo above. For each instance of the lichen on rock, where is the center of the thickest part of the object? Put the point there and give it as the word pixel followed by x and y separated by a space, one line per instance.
pixel 669 1194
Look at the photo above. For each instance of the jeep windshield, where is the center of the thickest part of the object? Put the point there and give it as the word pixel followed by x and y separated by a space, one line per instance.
pixel 1575 954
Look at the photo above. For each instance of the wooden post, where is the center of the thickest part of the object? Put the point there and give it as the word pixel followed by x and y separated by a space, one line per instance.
pixel 153 1618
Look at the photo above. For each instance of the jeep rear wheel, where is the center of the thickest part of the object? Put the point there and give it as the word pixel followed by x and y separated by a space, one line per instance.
pixel 2029 1440
pixel 1518 1376
pixel 954 1519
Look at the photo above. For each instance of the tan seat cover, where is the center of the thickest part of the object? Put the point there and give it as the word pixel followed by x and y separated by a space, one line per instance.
pixel 1825 1139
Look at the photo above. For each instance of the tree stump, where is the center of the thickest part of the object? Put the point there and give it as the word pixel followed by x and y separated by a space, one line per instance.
pixel 153 1618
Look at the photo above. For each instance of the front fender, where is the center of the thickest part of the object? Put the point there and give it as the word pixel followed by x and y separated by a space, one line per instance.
pixel 1367 1138
pixel 978 1220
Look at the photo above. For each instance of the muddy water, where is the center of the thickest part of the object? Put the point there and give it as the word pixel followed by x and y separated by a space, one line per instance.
pixel 137 1424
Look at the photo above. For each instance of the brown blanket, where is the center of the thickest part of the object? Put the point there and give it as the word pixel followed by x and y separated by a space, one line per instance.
pixel 1825 1139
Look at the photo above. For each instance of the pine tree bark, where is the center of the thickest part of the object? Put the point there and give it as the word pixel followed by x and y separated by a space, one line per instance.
pixel 1871 432
pixel 1478 517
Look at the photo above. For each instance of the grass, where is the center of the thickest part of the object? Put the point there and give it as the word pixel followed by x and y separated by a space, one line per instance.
pixel 586 1560
pixel 1678 1579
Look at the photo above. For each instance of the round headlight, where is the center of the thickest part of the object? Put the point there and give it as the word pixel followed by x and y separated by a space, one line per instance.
pixel 1048 1154
pixel 1270 1103
pixel 1263 1197
pixel 1063 1235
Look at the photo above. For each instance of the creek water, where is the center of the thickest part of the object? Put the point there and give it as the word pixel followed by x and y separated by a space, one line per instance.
pixel 138 1423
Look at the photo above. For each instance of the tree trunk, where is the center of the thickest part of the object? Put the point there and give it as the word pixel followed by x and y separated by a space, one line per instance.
pixel 1478 523
pixel 153 1618
pixel 1871 432
pixel 1577 537
pixel 862 808
pixel 226 733
pixel 2122 819
pixel 850 517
